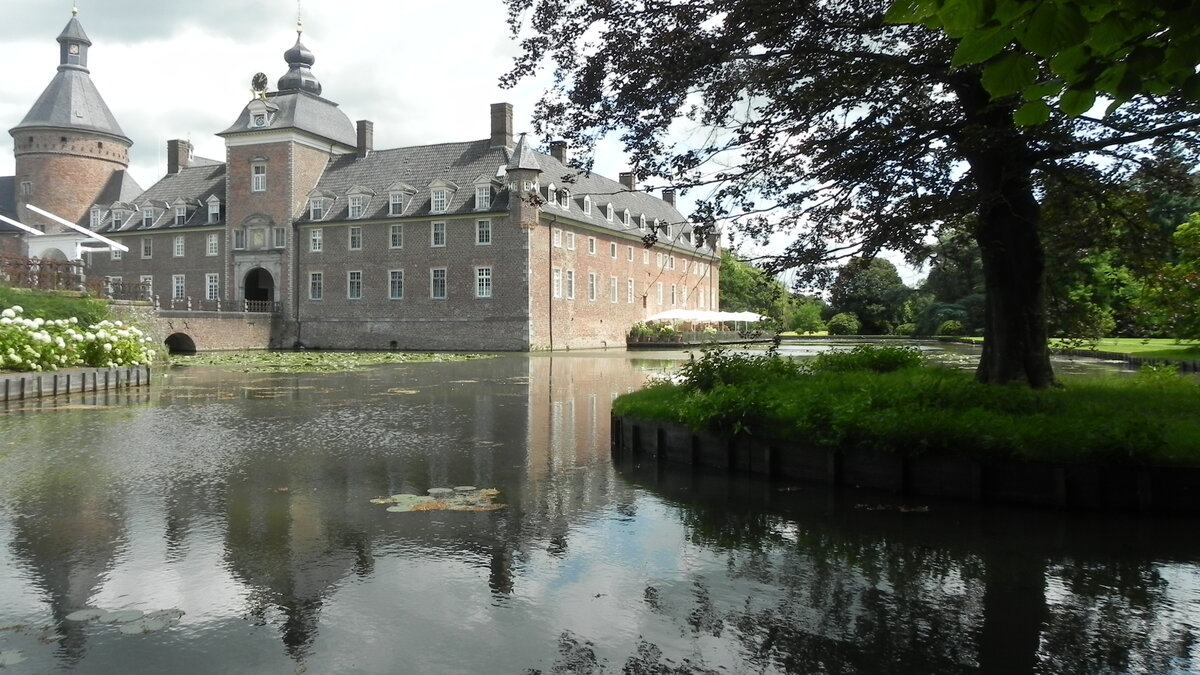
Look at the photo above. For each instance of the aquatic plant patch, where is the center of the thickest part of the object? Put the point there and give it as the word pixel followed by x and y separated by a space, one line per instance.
pixel 129 621
pixel 462 498
pixel 314 361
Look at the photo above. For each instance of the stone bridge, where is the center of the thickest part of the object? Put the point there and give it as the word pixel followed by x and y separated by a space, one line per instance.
pixel 182 331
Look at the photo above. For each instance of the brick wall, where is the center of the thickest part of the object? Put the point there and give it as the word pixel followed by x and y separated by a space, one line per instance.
pixel 162 264
pixel 67 172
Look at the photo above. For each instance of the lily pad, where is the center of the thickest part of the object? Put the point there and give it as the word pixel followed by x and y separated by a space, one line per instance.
pixel 172 615
pixel 142 626
pixel 10 658
pixel 122 616
pixel 88 614
pixel 462 498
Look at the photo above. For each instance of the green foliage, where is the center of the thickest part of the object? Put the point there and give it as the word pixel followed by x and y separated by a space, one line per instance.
pixel 37 344
pixel 717 367
pixel 805 317
pixel 906 329
pixel 1068 51
pixel 951 327
pixel 51 305
pixel 1174 292
pixel 870 289
pixel 843 324
pixel 867 358
pixel 1148 418
pixel 746 288
pixel 314 361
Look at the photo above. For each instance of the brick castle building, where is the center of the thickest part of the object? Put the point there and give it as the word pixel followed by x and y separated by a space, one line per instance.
pixel 483 244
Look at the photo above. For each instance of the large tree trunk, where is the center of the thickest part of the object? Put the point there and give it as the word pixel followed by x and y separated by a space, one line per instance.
pixel 1015 345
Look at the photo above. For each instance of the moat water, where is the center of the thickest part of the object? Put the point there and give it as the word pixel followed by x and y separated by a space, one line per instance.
pixel 244 501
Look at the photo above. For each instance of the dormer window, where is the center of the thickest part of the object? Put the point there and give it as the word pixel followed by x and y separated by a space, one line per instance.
pixel 552 194
pixel 180 215
pixel 642 222
pixel 316 208
pixel 587 205
pixel 564 199
pixel 118 219
pixel 483 197
pixel 258 120
pixel 94 217
pixel 396 204
pixel 147 216
pixel 358 206
pixel 608 213
pixel 625 218
pixel 437 200
pixel 214 210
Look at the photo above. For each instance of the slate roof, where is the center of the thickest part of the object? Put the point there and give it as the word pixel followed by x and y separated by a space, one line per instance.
pixel 194 185
pixel 305 111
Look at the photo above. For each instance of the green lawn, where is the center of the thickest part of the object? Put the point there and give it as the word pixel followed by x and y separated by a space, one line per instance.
pixel 1151 348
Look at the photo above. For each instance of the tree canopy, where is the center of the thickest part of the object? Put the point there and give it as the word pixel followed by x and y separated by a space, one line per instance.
pixel 819 119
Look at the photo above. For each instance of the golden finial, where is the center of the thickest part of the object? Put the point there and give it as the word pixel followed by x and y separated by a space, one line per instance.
pixel 299 17
pixel 74 8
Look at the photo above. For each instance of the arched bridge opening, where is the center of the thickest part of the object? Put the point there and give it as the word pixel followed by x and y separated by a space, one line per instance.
pixel 180 343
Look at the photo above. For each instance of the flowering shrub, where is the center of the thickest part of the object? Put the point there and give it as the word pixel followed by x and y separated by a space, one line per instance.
pixel 38 344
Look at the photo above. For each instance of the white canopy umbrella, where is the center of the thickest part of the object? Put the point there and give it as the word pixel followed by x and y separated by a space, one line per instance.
pixel 703 316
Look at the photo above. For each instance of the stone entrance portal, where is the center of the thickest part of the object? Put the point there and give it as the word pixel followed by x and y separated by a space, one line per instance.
pixel 259 285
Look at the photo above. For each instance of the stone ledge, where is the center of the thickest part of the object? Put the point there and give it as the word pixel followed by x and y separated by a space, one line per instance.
pixel 1141 489
pixel 26 386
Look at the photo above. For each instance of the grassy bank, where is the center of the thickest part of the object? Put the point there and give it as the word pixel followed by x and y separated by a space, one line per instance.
pixel 54 305
pixel 887 398
pixel 1168 349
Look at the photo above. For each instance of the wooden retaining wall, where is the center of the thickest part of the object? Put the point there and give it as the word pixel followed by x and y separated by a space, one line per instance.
pixel 25 386
pixel 1140 489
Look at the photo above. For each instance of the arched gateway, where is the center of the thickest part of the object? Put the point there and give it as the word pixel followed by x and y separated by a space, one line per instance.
pixel 259 286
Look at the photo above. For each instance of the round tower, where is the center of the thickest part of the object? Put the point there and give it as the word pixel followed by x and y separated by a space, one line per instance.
pixel 69 146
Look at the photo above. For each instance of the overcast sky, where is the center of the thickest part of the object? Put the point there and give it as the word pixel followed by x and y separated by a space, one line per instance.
pixel 424 71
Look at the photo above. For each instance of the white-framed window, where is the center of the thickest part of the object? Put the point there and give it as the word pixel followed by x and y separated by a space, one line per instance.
pixel 483 232
pixel 396 236
pixel 177 251
pixel 94 217
pixel 612 250
pixel 114 254
pixel 212 244
pixel 629 291
pixel 591 245
pixel 673 296
pixel 239 239
pixel 570 241
pixel 280 237
pixel 658 260
pixel 564 199
pixel 354 239
pixel 483 197
pixel 316 285
pixel 587 205
pixel 26 187
pixel 683 295
pixel 214 212
pixel 147 247
pixel 147 282
pixel 642 222
pixel 570 281
pixel 180 215
pixel 396 204
pixel 592 286
pixel 147 217
pixel 437 200
pixel 483 282
pixel 316 208
pixel 437 283
pixel 625 218
pixel 557 238
pixel 212 286
pixel 557 285
pixel 354 285
pixel 177 286
pixel 358 206
pixel 660 293
pixel 612 289
pixel 316 240
pixel 629 253
pixel 437 234
pixel 609 213
pixel 258 178
pixel 118 219
pixel 551 195
pixel 395 284
pixel 645 256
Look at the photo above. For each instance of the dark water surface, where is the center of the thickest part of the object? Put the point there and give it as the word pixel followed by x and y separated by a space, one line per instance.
pixel 244 500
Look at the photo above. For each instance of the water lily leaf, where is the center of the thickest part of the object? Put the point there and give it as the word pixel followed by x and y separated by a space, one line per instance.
pixel 122 616
pixel 10 658
pixel 142 626
pixel 89 614
pixel 169 615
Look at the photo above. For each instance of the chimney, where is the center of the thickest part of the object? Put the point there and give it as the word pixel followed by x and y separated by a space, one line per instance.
pixel 179 155
pixel 558 150
pixel 366 137
pixel 628 180
pixel 669 196
pixel 502 125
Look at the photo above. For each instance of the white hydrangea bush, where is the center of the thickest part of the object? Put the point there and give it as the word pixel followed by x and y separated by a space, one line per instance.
pixel 39 345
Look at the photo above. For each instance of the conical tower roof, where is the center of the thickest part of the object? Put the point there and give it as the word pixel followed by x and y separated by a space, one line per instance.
pixel 71 101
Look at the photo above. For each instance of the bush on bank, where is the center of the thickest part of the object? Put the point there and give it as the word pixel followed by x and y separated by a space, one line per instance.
pixel 887 398
pixel 38 344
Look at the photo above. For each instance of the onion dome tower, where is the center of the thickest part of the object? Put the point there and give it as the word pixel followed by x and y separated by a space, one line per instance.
pixel 69 148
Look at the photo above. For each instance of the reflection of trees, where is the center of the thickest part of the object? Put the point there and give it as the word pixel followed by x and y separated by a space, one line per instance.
pixel 867 588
